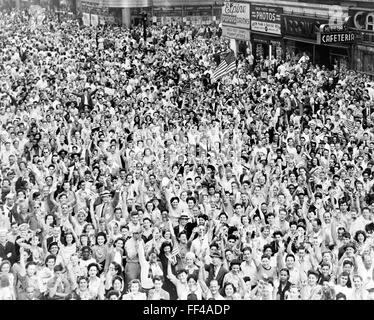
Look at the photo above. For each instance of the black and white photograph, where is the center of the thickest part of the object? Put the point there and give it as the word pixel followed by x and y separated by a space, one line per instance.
pixel 186 150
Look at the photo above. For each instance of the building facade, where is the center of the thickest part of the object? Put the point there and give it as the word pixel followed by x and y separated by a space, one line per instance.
pixel 331 32
pixel 362 22
pixel 165 12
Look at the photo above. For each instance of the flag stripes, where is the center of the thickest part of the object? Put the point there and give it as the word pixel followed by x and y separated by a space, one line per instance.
pixel 227 65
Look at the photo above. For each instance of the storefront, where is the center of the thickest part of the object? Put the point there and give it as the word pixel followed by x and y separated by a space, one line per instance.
pixel 300 35
pixel 340 41
pixel 266 31
pixel 236 25
pixel 362 22
pixel 97 14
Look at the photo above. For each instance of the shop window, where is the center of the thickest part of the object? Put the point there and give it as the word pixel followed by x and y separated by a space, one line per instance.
pixel 370 22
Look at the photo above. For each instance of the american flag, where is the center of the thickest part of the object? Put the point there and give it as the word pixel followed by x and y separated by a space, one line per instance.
pixel 227 65
pixel 175 251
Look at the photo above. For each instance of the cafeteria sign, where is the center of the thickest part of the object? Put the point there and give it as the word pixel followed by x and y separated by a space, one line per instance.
pixel 266 19
pixel 335 37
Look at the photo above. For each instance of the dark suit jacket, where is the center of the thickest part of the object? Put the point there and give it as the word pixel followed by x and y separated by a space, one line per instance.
pixel 50 240
pixel 221 274
pixel 187 228
pixel 8 249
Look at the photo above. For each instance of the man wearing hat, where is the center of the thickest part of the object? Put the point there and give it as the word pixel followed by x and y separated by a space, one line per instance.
pixel 105 209
pixel 215 270
pixel 9 205
pixel 183 226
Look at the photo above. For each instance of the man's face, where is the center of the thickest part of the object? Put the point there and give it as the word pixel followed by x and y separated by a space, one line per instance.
pixel 265 262
pixel 30 293
pixel 135 218
pixel 214 287
pixel 158 285
pixel 247 255
pixel 3 237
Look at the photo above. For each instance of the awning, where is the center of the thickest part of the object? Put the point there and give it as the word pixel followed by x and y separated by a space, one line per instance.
pixel 311 41
pixel 266 35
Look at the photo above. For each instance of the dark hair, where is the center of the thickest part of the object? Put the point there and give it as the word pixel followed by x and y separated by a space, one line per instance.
pixel 117 267
pixel 113 293
pixel 358 233
pixel 315 273
pixel 115 241
pixel 158 278
pixel 93 264
pixel 50 256
pixel 103 235
pixel 79 279
pixel 290 255
pixel 66 234
pixel 226 285
pixel 348 262
pixel 247 249
pixel 286 270
pixel 180 271
pixel 277 233
pixel 341 295
pixel 58 268
pixel 86 248
pixel 191 276
pixel 233 263
pixel 53 244
pixel 117 277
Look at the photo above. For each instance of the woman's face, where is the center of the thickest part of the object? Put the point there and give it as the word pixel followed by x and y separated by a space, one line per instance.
pixel 31 270
pixel 134 288
pixel 189 261
pixel 191 284
pixel 119 244
pixel 156 233
pixel 235 269
pixel 51 263
pixel 343 280
pixel 5 268
pixel 167 250
pixel 54 250
pixel 357 283
pixel 100 240
pixel 93 271
pixel 49 220
pixel 69 238
pixel 84 240
pixel 167 235
pixel 117 285
pixel 229 291
pixel 312 280
pixel 83 285
pixel 360 237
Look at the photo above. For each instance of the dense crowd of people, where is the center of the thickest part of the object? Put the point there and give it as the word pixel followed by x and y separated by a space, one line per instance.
pixel 127 174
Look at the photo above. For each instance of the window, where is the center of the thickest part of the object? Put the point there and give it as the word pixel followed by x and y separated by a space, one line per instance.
pixel 370 21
